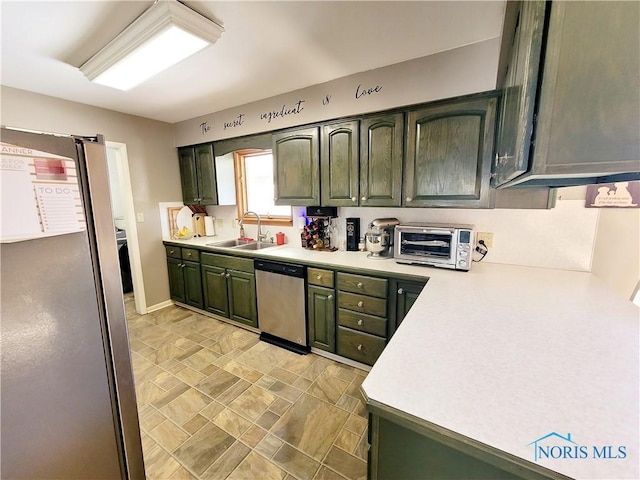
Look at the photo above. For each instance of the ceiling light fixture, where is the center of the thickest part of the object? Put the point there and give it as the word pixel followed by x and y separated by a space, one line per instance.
pixel 165 34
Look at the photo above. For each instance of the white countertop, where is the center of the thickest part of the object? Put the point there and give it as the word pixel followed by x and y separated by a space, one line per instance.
pixel 505 355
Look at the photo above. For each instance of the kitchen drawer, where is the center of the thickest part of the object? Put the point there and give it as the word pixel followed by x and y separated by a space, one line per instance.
pixel 375 287
pixel 227 261
pixel 359 346
pixel 191 254
pixel 319 277
pixel 362 303
pixel 173 252
pixel 363 322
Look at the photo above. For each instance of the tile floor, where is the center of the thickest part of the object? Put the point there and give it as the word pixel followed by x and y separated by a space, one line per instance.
pixel 215 403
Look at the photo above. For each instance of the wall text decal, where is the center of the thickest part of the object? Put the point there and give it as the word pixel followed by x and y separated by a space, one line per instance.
pixel 239 120
pixel 283 112
pixel 326 100
pixel 361 92
pixel 204 127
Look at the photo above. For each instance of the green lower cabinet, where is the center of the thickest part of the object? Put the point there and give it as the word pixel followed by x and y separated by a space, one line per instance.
pixel 242 297
pixel 406 295
pixel 185 283
pixel 176 279
pixel 193 284
pixel 412 452
pixel 214 283
pixel 321 313
pixel 230 294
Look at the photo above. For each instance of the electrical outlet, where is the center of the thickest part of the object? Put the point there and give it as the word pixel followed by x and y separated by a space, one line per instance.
pixel 487 237
pixel 219 222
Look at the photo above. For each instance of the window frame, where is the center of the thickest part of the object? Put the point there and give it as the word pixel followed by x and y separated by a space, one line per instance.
pixel 241 192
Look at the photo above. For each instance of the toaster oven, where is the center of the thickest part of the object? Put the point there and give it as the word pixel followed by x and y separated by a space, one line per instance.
pixel 436 245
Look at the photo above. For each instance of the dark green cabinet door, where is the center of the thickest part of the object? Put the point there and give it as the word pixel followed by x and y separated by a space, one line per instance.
pixel 449 150
pixel 206 175
pixel 519 84
pixel 188 175
pixel 589 108
pixel 406 295
pixel 242 297
pixel 193 284
pixel 321 312
pixel 381 160
pixel 339 162
pixel 176 279
pixel 214 283
pixel 296 167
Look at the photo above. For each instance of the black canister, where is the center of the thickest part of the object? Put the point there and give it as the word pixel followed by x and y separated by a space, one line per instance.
pixel 353 234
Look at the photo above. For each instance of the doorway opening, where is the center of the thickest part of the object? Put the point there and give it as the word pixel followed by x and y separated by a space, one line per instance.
pixel 124 216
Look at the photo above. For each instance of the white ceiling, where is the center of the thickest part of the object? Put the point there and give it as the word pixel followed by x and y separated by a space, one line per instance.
pixel 268 48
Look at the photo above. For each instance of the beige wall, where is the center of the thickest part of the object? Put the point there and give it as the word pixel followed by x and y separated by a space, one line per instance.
pixel 616 256
pixel 152 162
pixel 434 77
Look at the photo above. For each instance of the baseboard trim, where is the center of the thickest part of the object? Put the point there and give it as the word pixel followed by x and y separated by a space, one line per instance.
pixel 338 358
pixel 159 306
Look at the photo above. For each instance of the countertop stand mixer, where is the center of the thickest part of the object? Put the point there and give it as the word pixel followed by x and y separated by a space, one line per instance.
pixel 379 238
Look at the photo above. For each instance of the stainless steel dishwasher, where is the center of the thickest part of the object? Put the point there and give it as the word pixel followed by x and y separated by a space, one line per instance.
pixel 282 313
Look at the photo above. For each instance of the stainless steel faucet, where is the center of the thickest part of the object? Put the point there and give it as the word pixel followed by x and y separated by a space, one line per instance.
pixel 261 237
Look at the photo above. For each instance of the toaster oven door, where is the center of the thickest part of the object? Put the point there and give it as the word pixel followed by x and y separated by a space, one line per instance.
pixel 427 244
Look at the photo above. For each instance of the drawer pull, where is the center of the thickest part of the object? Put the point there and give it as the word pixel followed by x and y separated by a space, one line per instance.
pixel 359 285
pixel 188 254
pixel 400 291
pixel 361 304
pixel 319 277
pixel 222 274
pixel 360 347
pixel 330 297
pixel 172 252
pixel 360 322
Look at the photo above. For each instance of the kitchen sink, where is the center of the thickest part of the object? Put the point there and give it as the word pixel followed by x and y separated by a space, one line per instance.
pixel 255 246
pixel 231 243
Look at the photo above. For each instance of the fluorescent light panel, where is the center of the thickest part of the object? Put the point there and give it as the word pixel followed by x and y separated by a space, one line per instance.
pixel 165 34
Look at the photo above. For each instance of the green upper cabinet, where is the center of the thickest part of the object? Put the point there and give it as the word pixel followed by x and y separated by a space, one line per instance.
pixel 198 175
pixel 296 167
pixel 587 114
pixel 339 164
pixel 449 151
pixel 519 82
pixel 381 160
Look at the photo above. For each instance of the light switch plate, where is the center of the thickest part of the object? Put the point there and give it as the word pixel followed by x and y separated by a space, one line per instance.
pixel 140 217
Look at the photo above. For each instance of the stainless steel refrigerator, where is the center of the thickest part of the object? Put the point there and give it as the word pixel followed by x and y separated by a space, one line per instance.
pixel 68 405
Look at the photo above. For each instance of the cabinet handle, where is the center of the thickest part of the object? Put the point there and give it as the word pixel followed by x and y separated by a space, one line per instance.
pixel 400 291
pixel 364 199
pixel 360 347
pixel 329 297
pixel 359 285
pixel 189 254
pixel 409 199
pixel 360 322
pixel 222 274
pixel 354 199
pixel 171 252
pixel 228 275
pixel 361 304
pixel 182 265
pixel 319 277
